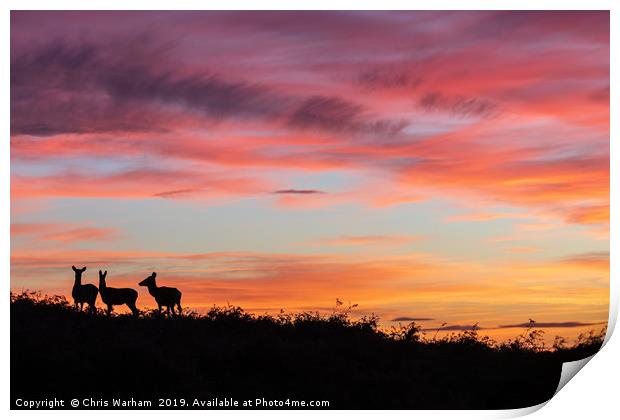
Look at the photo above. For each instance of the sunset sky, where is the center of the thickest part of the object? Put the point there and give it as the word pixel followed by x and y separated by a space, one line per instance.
pixel 442 165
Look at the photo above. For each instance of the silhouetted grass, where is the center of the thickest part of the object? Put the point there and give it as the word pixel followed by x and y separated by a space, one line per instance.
pixel 57 351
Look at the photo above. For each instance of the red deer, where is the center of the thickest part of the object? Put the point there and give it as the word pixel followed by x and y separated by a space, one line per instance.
pixel 83 293
pixel 164 296
pixel 112 296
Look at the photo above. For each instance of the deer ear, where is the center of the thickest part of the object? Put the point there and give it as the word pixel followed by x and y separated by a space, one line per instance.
pixel 83 268
pixel 105 273
pixel 73 267
pixel 100 273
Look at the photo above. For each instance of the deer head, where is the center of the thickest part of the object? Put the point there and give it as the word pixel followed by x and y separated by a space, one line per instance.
pixel 102 275
pixel 149 281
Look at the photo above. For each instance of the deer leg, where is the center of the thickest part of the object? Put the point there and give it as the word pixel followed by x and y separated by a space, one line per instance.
pixel 133 308
pixel 81 306
pixel 180 309
pixel 110 308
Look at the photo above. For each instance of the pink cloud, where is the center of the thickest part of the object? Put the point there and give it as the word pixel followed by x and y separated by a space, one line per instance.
pixel 144 183
pixel 527 128
pixel 64 232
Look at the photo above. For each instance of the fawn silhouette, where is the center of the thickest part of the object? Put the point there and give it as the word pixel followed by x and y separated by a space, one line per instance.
pixel 164 296
pixel 112 296
pixel 83 293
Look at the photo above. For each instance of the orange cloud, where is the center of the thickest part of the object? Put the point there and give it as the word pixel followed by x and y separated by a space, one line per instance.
pixel 589 214
pixel 372 240
pixel 484 217
pixel 316 278
pixel 523 249
pixel 594 260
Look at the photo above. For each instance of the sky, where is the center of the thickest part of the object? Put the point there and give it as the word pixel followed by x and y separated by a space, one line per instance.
pixel 440 166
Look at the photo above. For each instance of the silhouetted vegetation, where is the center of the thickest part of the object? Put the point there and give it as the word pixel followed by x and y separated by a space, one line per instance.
pixel 59 351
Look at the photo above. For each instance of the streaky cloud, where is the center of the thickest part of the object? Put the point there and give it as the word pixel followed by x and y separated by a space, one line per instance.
pixel 119 83
pixel 458 105
pixel 408 318
pixel 340 115
pixel 473 327
pixel 299 192
pixel 569 324
pixel 175 193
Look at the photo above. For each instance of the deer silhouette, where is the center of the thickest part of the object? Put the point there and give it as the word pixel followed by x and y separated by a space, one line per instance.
pixel 164 296
pixel 83 293
pixel 112 296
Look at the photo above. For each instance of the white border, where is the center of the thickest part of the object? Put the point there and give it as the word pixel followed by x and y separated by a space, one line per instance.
pixel 593 394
